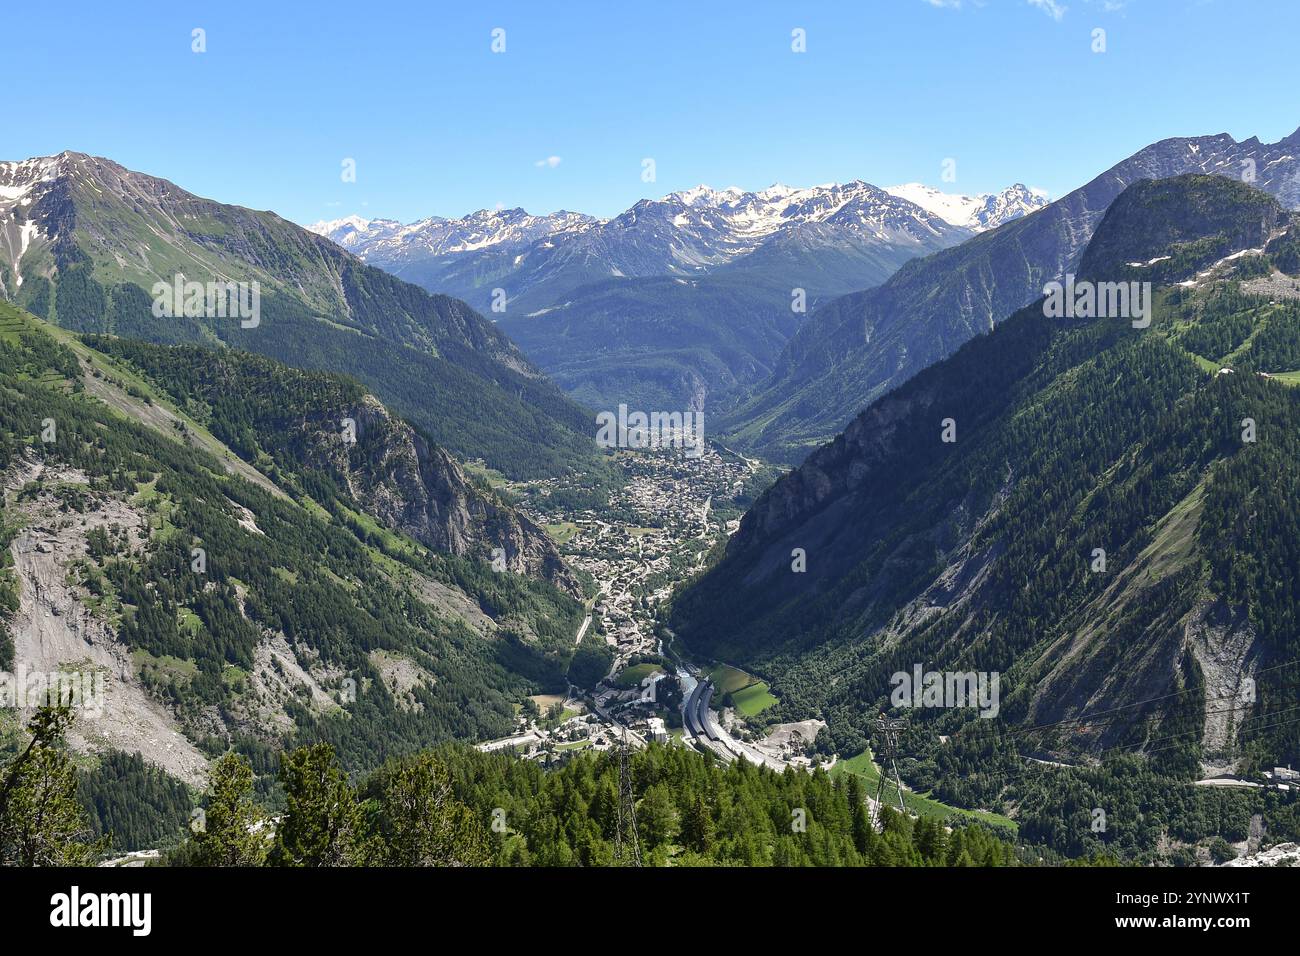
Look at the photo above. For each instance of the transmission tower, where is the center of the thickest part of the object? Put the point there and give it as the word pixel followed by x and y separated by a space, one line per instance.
pixel 626 810
pixel 889 728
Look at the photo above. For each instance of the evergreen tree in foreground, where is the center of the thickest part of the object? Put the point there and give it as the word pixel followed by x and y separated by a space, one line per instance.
pixel 42 823
pixel 231 830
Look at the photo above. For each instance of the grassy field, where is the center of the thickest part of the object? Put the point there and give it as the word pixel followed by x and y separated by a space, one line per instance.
pixel 864 767
pixel 544 704
pixel 490 475
pixel 12 324
pixel 634 675
pixel 730 679
pixel 544 701
pixel 753 700
pixel 749 694
pixel 563 532
pixel 1208 365
pixel 574 745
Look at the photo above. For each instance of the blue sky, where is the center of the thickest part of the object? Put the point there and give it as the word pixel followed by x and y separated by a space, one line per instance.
pixel 711 90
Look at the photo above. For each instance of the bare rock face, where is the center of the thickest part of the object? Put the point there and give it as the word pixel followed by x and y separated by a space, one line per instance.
pixel 833 472
pixel 411 485
pixel 56 634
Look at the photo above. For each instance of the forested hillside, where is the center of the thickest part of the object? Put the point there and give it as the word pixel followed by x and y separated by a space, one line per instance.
pixel 433 358
pixel 1105 515
pixel 857 348
pixel 323 435
pixel 263 602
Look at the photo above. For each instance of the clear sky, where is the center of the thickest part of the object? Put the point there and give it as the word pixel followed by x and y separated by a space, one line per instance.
pixel 438 124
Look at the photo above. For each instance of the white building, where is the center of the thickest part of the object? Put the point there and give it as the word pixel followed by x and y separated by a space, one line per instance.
pixel 656 730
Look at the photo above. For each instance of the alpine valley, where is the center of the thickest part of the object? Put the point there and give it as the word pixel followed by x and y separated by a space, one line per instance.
pixel 355 576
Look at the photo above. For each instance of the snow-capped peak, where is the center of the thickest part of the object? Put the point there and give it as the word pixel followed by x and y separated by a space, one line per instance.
pixel 977 213
pixel 682 233
pixel 327 226
pixel 389 240
pixel 704 196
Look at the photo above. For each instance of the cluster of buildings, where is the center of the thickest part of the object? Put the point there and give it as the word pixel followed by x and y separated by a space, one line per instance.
pixel 1282 778
pixel 665 525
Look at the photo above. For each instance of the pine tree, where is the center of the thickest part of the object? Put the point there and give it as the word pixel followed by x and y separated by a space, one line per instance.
pixel 422 824
pixel 322 823
pixel 697 827
pixel 231 830
pixel 42 823
pixel 657 816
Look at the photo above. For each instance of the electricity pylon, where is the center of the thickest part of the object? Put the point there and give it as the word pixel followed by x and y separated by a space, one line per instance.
pixel 889 728
pixel 626 809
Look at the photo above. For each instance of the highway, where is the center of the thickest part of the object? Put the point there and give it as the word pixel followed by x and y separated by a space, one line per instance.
pixel 689 705
pixel 695 711
pixel 706 732
pixel 703 717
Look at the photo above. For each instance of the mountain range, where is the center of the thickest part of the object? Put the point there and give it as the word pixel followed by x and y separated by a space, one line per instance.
pixel 858 347
pixel 83 242
pixel 541 260
pixel 592 301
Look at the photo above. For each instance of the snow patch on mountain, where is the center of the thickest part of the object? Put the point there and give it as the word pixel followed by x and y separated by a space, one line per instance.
pixel 21 183
pixel 977 213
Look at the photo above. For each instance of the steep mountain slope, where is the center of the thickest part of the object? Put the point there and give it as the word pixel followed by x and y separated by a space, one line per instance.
pixel 658 343
pixel 1112 527
pixel 329 425
pixel 83 242
pixel 196 526
pixel 860 346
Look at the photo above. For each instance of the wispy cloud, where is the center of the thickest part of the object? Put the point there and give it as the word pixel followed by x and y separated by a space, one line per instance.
pixel 945 4
pixel 550 162
pixel 1050 7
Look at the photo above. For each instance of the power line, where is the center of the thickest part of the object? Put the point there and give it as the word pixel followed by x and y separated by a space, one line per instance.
pixel 1030 774
pixel 1184 733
